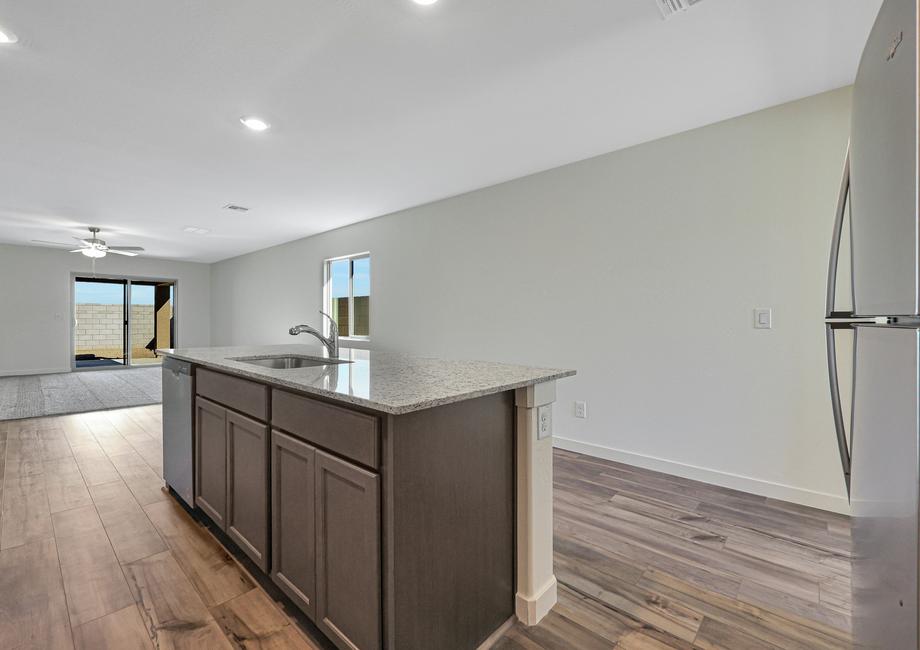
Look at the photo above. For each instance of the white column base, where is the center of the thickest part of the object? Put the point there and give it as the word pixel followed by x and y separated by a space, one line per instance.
pixel 531 610
pixel 536 583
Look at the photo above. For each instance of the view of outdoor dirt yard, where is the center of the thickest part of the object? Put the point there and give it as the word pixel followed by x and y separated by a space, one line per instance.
pixel 107 333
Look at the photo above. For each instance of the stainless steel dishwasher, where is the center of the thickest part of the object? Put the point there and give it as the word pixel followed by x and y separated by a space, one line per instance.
pixel 178 413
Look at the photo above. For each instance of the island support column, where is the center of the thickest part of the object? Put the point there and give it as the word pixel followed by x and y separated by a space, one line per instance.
pixel 536 582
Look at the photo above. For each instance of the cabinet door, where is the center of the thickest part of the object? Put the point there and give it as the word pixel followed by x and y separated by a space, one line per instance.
pixel 293 526
pixel 211 460
pixel 347 553
pixel 247 475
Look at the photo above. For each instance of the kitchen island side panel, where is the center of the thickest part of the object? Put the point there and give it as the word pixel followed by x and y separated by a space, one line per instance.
pixel 449 523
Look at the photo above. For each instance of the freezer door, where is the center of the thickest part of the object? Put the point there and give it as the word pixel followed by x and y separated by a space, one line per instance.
pixel 883 166
pixel 885 486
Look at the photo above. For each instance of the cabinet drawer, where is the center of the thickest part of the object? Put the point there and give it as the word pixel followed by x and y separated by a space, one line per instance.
pixel 240 394
pixel 345 432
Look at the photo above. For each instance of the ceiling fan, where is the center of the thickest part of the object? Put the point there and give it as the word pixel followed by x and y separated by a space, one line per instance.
pixel 95 247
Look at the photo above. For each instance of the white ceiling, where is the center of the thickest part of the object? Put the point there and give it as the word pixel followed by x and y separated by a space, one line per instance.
pixel 124 113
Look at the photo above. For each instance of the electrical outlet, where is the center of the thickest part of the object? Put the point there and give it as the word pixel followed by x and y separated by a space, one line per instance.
pixel 581 410
pixel 544 421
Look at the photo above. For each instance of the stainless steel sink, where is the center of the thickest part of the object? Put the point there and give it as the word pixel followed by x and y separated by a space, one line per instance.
pixel 288 361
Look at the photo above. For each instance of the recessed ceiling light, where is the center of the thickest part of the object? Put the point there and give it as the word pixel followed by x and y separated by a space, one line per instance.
pixel 7 37
pixel 254 123
pixel 424 2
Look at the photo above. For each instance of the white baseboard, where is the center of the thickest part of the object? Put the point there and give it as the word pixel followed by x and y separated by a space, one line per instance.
pixel 821 500
pixel 34 371
pixel 530 610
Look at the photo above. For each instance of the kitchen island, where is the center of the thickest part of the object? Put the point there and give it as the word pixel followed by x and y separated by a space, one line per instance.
pixel 400 502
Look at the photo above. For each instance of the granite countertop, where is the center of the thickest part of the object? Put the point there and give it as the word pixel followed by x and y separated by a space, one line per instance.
pixel 390 382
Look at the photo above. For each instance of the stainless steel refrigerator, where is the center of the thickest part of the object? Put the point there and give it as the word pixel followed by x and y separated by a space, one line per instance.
pixel 878 204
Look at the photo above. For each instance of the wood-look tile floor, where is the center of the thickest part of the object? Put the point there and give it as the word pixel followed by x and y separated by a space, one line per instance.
pixel 650 561
pixel 93 554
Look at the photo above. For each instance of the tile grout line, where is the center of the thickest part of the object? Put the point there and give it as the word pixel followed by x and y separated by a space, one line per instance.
pixel 121 566
pixel 137 503
pixel 239 566
pixel 166 544
pixel 719 571
pixel 57 549
pixel 788 615
pixel 136 451
pixel 3 490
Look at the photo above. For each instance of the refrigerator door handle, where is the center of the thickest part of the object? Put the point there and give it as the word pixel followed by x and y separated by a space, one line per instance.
pixel 839 425
pixel 831 312
pixel 830 306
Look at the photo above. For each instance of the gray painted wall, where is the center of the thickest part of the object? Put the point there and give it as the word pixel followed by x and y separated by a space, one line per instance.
pixel 639 268
pixel 35 303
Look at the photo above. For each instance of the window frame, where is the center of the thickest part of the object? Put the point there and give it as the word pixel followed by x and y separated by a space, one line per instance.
pixel 327 293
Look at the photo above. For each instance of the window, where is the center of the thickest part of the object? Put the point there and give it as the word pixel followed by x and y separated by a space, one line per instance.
pixel 347 291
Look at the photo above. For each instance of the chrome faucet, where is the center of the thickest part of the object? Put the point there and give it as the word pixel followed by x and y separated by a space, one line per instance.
pixel 331 342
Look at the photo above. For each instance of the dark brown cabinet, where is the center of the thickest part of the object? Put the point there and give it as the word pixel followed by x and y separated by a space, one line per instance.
pixel 387 531
pixel 326 535
pixel 344 432
pixel 242 395
pixel 231 475
pixel 211 460
pixel 293 524
pixel 247 486
pixel 347 553
pixel 326 540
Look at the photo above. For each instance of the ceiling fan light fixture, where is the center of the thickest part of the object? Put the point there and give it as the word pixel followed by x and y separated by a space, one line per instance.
pixel 93 252
pixel 7 37
pixel 254 123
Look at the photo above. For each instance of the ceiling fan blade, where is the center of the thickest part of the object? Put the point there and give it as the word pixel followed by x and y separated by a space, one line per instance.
pixel 125 248
pixel 120 252
pixel 50 243
pixel 85 242
pixel 77 250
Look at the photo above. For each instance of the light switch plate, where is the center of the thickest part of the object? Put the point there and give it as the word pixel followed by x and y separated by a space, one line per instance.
pixel 763 319
pixel 544 421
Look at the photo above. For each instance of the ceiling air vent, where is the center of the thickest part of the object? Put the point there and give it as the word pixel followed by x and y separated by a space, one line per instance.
pixel 236 208
pixel 671 8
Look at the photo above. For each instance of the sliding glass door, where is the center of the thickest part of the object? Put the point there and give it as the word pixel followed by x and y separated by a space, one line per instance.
pixel 100 323
pixel 120 322
pixel 150 320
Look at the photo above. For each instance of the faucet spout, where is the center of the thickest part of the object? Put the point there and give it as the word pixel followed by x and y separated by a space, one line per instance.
pixel 331 342
pixel 302 329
